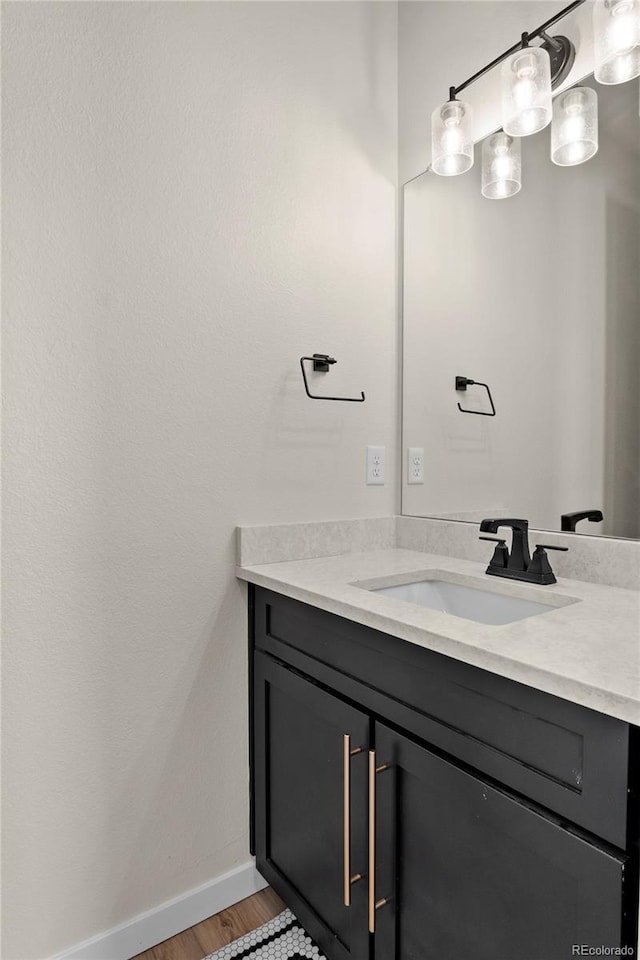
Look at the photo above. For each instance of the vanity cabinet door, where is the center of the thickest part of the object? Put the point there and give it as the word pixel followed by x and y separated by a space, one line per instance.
pixel 300 774
pixel 471 872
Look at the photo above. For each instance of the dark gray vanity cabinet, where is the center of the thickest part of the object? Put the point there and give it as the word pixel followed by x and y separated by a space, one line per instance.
pixel 299 816
pixel 477 873
pixel 498 822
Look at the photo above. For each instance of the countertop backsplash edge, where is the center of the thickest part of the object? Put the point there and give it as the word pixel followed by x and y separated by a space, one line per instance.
pixel 608 561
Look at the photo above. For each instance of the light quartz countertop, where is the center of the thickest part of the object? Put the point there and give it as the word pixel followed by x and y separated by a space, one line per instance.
pixel 586 650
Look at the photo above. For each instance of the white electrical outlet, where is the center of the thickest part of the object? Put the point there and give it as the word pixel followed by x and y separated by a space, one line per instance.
pixel 375 465
pixel 415 465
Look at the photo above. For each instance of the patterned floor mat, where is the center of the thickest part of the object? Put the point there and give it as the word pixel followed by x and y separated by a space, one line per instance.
pixel 280 939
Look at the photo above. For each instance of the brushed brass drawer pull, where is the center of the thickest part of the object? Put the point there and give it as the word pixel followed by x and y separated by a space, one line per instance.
pixel 373 903
pixel 347 877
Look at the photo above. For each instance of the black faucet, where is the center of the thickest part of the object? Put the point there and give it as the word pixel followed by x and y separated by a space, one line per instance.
pixel 518 564
pixel 519 558
pixel 568 521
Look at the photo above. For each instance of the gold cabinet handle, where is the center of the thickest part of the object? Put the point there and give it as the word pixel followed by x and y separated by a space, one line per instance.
pixel 347 878
pixel 373 903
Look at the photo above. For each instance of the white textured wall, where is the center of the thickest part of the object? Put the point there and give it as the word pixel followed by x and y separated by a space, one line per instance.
pixel 194 196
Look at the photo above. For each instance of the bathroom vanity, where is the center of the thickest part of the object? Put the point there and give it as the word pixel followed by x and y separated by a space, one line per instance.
pixel 445 767
pixel 408 805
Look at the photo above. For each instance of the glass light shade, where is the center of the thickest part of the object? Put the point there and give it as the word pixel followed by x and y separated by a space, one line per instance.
pixel 501 166
pixel 526 92
pixel 574 129
pixel 452 138
pixel 616 40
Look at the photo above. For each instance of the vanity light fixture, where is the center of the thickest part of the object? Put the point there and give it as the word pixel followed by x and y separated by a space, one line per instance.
pixel 501 166
pixel 616 40
pixel 529 75
pixel 526 91
pixel 452 138
pixel 574 130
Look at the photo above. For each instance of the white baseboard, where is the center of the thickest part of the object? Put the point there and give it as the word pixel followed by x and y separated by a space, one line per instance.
pixel 170 918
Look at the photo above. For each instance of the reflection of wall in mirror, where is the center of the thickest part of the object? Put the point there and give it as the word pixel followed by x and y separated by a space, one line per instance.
pixel 622 359
pixel 537 295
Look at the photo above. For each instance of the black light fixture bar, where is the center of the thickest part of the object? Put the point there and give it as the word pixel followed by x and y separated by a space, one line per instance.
pixel 523 42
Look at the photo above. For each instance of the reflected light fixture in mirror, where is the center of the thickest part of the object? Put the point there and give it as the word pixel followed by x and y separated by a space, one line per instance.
pixel 574 128
pixel 452 138
pixel 616 37
pixel 526 92
pixel 501 166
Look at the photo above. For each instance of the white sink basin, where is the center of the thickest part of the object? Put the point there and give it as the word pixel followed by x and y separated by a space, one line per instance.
pixel 483 606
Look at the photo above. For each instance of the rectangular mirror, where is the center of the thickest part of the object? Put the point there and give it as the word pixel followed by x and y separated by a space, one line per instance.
pixel 537 296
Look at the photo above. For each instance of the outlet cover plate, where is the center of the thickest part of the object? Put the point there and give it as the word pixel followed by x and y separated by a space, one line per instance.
pixel 375 465
pixel 415 465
